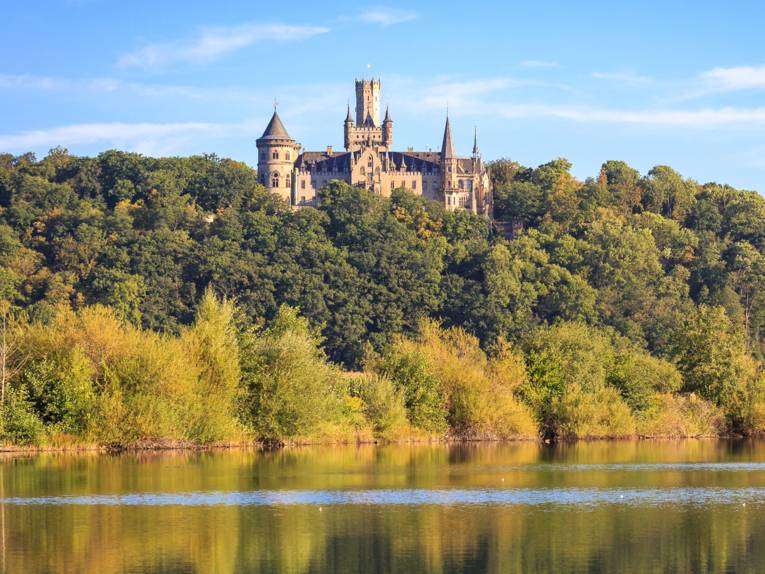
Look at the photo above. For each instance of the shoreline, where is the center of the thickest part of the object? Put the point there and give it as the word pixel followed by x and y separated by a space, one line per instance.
pixel 180 446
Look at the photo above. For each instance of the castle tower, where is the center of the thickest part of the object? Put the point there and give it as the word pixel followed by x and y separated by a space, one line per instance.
pixel 387 130
pixel 448 160
pixel 367 102
pixel 348 129
pixel 277 153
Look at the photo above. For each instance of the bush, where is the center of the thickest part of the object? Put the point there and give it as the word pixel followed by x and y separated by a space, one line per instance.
pixel 678 416
pixel 383 404
pixel 447 378
pixel 409 370
pixel 639 377
pixel 291 388
pixel 19 425
pixel 581 414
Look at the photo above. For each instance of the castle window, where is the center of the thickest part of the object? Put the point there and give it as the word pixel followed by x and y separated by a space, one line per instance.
pixel 288 181
pixel 275 179
pixel 470 185
pixel 302 184
pixel 286 155
pixel 392 185
pixel 414 184
pixel 275 155
pixel 369 163
pixel 462 184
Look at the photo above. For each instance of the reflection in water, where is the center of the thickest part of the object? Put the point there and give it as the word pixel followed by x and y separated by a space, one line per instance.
pixel 691 506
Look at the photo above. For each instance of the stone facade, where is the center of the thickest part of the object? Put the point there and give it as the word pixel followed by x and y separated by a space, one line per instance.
pixel 369 161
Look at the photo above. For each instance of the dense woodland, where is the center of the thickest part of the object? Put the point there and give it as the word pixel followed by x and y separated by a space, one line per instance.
pixel 148 299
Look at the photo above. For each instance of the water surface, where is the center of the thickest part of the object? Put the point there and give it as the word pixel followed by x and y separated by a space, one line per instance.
pixel 686 506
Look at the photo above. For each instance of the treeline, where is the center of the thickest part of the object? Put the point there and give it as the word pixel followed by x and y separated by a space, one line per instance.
pixel 622 305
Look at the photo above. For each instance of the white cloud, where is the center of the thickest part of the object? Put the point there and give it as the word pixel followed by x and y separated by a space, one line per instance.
pixel 538 64
pixel 214 43
pixel 737 78
pixel 627 78
pixel 700 118
pixel 386 16
pixel 131 136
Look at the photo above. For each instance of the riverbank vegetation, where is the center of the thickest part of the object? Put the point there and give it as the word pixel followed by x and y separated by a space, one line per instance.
pixel 146 300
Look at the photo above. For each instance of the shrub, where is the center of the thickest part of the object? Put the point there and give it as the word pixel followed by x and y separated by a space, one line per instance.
pixel 639 377
pixel 677 416
pixel 19 424
pixel 291 388
pixel 383 404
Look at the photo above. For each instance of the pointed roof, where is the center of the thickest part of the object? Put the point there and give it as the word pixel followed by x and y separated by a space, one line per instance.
pixel 387 115
pixel 275 129
pixel 348 117
pixel 476 151
pixel 447 148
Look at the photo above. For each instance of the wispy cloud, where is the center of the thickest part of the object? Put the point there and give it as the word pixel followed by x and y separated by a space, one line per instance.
pixel 627 78
pixel 132 136
pixel 538 64
pixel 386 16
pixel 737 78
pixel 214 43
pixel 700 118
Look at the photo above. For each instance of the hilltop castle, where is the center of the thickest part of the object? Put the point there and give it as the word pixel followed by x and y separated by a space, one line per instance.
pixel 369 161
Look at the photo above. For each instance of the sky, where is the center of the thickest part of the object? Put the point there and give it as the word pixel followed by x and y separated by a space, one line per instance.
pixel 677 83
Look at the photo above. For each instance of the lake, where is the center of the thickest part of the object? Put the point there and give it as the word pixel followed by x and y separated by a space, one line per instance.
pixel 680 506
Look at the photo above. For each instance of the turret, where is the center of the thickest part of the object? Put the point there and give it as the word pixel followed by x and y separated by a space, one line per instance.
pixel 348 128
pixel 448 159
pixel 277 153
pixel 387 129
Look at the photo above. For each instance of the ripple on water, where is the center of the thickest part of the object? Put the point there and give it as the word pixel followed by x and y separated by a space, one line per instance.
pixel 414 497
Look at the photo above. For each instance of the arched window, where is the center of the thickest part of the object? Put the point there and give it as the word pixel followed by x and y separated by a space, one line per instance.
pixel 363 171
pixel 288 180
pixel 286 155
pixel 275 179
pixel 275 155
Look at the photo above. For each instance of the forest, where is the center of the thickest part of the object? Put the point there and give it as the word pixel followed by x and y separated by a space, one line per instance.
pixel 153 301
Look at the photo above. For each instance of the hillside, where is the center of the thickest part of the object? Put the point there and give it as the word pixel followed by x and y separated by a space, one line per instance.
pixel 640 296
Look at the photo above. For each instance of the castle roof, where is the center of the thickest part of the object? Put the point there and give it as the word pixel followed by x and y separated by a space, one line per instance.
pixel 447 148
pixel 275 129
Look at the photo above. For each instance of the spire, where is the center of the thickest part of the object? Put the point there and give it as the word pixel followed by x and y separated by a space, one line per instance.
pixel 447 149
pixel 348 118
pixel 387 115
pixel 275 129
pixel 476 151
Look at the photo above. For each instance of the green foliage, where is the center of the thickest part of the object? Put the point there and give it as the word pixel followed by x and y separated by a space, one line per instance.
pixel 384 405
pixel 661 278
pixel 19 424
pixel 291 389
pixel 423 396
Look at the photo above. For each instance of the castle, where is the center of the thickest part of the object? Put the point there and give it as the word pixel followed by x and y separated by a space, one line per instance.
pixel 369 161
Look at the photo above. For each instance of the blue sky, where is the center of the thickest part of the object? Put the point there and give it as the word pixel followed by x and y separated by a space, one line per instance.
pixel 676 83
